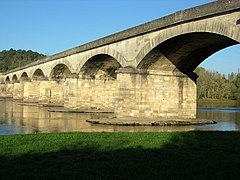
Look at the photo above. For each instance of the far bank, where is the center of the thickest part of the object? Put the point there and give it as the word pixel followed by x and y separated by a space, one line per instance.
pixel 210 102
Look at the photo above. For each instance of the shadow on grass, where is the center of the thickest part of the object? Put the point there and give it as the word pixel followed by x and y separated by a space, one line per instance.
pixel 192 155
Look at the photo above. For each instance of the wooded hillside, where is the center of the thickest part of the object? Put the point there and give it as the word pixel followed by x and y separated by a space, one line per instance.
pixel 10 59
pixel 212 84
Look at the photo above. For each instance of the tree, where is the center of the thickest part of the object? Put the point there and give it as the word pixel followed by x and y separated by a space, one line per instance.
pixel 10 59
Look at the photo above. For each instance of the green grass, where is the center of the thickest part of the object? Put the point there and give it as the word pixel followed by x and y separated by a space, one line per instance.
pixel 165 155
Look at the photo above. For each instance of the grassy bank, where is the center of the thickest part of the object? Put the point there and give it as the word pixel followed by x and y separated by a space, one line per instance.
pixel 178 155
pixel 216 103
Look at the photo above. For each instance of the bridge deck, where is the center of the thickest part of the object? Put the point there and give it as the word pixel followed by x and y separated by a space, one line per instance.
pixel 192 14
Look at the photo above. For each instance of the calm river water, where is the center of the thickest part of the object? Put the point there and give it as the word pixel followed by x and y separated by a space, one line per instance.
pixel 17 118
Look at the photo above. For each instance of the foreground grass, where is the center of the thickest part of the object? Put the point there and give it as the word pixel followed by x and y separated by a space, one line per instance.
pixel 178 155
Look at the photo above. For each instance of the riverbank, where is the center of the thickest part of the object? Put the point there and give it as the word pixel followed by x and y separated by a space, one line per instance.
pixel 216 103
pixel 176 155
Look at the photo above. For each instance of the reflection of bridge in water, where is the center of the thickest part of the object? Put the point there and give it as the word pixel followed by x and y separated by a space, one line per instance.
pixel 145 71
pixel 39 119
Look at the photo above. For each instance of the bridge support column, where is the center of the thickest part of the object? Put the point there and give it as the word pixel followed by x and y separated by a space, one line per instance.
pixel 155 94
pixel 44 91
pixel 18 90
pixel 31 91
pixel 97 93
pixel 56 92
pixel 6 90
pixel 71 93
pixel 90 93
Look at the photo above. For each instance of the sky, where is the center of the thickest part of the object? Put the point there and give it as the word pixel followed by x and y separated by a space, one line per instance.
pixel 53 26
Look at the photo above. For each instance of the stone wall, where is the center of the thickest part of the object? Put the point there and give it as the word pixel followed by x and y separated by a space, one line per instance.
pixel 31 91
pixel 136 93
pixel 155 94
pixel 90 93
pixel 6 90
pixel 18 90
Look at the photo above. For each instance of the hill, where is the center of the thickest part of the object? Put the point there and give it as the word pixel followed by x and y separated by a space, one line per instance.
pixel 10 59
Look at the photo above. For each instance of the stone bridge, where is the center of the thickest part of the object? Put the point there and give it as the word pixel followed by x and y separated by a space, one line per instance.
pixel 144 71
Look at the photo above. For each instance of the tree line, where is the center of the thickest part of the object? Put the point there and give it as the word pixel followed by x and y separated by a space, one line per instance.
pixel 212 84
pixel 10 59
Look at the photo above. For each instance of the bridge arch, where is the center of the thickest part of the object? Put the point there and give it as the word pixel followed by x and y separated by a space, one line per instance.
pixel 103 51
pixel 100 66
pixel 187 45
pixel 60 72
pixel 14 78
pixel 38 74
pixel 7 80
pixel 24 77
pixel 238 22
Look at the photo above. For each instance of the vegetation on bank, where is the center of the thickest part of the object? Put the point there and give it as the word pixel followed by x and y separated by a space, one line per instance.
pixel 10 59
pixel 213 85
pixel 217 103
pixel 165 155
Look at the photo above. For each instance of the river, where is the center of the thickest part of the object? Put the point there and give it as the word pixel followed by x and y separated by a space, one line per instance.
pixel 19 118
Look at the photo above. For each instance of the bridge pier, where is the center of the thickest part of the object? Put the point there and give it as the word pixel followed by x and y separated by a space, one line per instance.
pixel 18 90
pixel 90 93
pixel 6 90
pixel 151 94
pixel 71 93
pixel 54 92
pixel 31 91
pixel 44 91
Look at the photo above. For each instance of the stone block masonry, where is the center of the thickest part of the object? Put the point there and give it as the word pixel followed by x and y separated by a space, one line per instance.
pixel 90 93
pixel 155 94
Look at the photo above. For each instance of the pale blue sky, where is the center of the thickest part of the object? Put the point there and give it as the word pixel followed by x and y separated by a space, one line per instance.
pixel 52 26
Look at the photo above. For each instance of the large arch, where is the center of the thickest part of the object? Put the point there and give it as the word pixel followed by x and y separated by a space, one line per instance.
pixel 38 74
pixel 188 46
pixel 24 77
pixel 60 72
pixel 100 66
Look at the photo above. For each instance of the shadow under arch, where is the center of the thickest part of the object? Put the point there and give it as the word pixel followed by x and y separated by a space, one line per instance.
pixel 100 66
pixel 107 51
pixel 38 74
pixel 186 50
pixel 24 77
pixel 60 72
pixel 15 79
pixel 7 80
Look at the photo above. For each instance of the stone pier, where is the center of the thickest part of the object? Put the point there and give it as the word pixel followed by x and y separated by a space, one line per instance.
pixel 155 94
